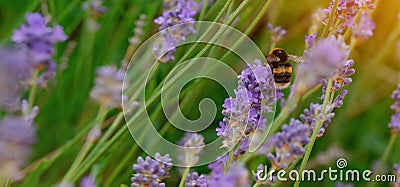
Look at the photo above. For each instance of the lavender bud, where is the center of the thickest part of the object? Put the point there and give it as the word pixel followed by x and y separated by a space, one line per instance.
pixel 322 60
pixel 394 124
pixel 289 144
pixel 88 181
pixel 108 86
pixel 191 147
pixel 277 33
pixel 176 12
pixel 151 172
pixel 194 180
pixel 237 175
pixel 396 171
pixel 38 41
pixel 16 139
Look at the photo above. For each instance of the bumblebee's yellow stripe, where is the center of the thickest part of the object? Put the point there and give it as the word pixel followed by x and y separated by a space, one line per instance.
pixel 282 70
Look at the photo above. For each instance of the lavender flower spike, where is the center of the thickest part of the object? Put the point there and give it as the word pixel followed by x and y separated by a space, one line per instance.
pixel 88 181
pixel 237 176
pixel 394 124
pixel 194 180
pixel 191 147
pixel 16 138
pixel 177 12
pixel 322 60
pixel 108 86
pixel 14 71
pixel 289 144
pixel 38 41
pixel 151 172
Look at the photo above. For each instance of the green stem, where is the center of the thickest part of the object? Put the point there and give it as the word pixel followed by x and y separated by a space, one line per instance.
pixel 250 28
pixel 184 175
pixel 284 114
pixel 121 165
pixel 386 153
pixel 330 20
pixel 86 147
pixel 203 10
pixel 315 132
pixel 32 93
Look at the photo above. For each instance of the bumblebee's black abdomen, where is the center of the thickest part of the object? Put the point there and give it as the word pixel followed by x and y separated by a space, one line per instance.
pixel 282 75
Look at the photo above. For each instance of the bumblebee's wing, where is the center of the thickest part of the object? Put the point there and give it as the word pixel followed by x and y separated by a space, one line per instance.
pixel 297 59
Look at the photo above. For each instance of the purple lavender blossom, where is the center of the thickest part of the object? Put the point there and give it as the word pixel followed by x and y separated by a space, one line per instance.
pixel 96 7
pixel 237 110
pixel 394 124
pixel 16 139
pixel 191 147
pixel 151 172
pixel 38 41
pixel 108 86
pixel 347 12
pixel 217 167
pixel 364 29
pixel 138 30
pixel 243 114
pixel 396 97
pixel 396 171
pixel 194 180
pixel 277 33
pixel 14 72
pixel 310 39
pixel 88 181
pixel 322 60
pixel 289 144
pixel 237 175
pixel 311 116
pixel 29 114
pixel 177 12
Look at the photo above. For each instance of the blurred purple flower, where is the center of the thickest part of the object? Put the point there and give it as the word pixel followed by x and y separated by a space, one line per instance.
pixel 310 39
pixel 194 180
pixel 394 124
pixel 96 7
pixel 191 147
pixel 217 167
pixel 108 86
pixel 364 29
pixel 16 139
pixel 88 181
pixel 289 144
pixel 138 30
pixel 277 33
pixel 14 72
pixel 237 175
pixel 151 172
pixel 37 40
pixel 180 13
pixel 396 171
pixel 396 97
pixel 323 60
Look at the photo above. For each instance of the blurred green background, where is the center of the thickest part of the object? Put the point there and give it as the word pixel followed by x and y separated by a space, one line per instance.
pixel 358 132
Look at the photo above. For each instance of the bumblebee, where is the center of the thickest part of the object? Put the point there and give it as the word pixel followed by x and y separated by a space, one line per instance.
pixel 281 68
